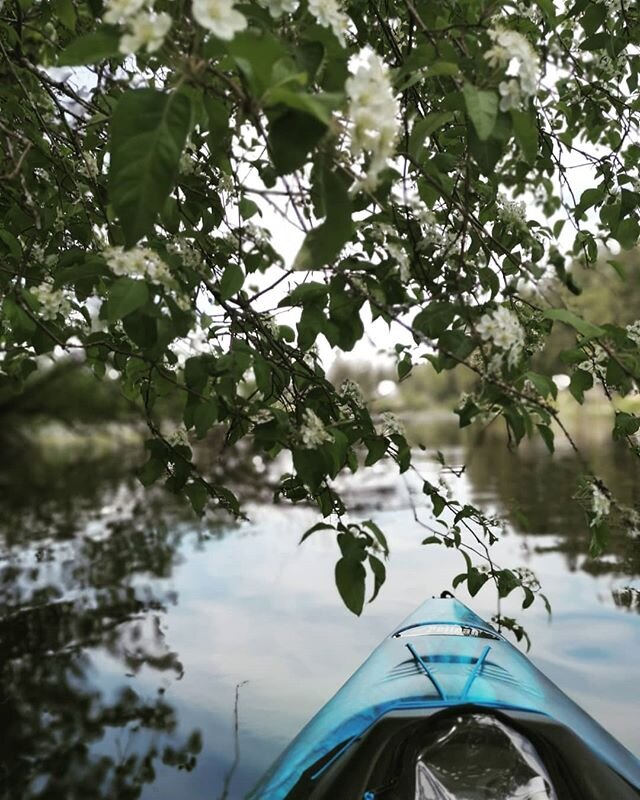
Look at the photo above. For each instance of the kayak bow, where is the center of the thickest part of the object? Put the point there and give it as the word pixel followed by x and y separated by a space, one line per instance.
pixel 446 708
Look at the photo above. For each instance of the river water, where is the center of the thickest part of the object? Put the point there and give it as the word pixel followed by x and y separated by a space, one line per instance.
pixel 127 628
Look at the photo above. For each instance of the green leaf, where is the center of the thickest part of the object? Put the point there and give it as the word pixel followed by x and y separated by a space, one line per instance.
pixel 125 296
pixel 65 11
pixel 350 576
pixel 153 469
pixel 11 242
pixel 257 53
pixel 475 581
pixel 487 153
pixel 436 498
pixel 148 132
pixel 543 384
pixel 581 381
pixel 320 106
pixel 529 597
pixel 292 136
pixel 231 281
pixel 427 127
pixel 204 415
pixel 141 329
pixel 382 539
pixel 92 47
pixel 379 575
pixel 625 425
pixel 482 108
pixel 525 129
pixel 590 197
pixel 198 495
pixel 319 526
pixel 586 329
pixel 599 539
pixel 434 319
pixel 324 243
pixel 627 233
pixel 547 436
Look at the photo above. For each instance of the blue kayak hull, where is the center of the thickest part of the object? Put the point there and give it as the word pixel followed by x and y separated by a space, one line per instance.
pixel 440 657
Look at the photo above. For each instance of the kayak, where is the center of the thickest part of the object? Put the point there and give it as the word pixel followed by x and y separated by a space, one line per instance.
pixel 445 708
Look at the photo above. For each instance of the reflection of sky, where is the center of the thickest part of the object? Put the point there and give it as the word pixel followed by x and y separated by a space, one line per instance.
pixel 256 607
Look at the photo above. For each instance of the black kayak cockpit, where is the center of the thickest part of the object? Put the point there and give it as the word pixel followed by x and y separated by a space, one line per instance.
pixel 462 753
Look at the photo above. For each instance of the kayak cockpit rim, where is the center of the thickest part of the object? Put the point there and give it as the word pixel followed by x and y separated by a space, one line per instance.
pixel 446 629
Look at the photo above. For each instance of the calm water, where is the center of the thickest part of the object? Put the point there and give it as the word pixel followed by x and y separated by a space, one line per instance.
pixel 125 626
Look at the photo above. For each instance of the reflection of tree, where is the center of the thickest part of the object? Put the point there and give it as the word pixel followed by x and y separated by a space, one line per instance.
pixel 535 491
pixel 72 581
pixel 627 598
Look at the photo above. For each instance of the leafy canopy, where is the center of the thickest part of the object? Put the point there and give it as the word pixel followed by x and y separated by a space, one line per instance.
pixel 440 161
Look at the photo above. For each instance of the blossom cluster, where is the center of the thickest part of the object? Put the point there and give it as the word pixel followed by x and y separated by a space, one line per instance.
pixel 220 17
pixel 329 14
pixel 139 262
pixel 351 392
pixel 390 425
pixel 145 27
pixel 279 7
pixel 502 329
pixel 511 212
pixel 600 504
pixel 313 432
pixel 179 437
pixel 52 301
pixel 511 50
pixel 633 332
pixel 399 255
pixel 187 252
pixel 596 364
pixel 373 115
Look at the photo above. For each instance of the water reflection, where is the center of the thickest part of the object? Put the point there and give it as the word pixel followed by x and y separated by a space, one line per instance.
pixel 82 561
pixel 125 625
pixel 535 490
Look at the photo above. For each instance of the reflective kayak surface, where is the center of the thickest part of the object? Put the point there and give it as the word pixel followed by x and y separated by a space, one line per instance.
pixel 446 708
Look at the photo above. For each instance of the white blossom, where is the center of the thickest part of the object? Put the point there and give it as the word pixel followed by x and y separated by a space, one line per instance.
pixel 351 391
pixel 373 115
pixel 225 183
pixel 188 164
pixel 600 504
pixel 313 433
pixel 52 301
pixel 511 212
pixel 279 7
pixel 271 326
pixel 118 11
pixel 502 329
pixel 596 363
pixel 89 165
pixel 633 332
pixel 329 14
pixel 391 426
pixel 139 262
pixel 399 255
pixel 512 50
pixel 261 416
pixel 219 17
pixel 528 10
pixel 147 29
pixel 187 251
pixel 259 235
pixel 497 56
pixel 510 94
pixel 179 437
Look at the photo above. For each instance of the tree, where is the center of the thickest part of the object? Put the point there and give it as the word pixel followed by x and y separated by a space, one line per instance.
pixel 440 158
